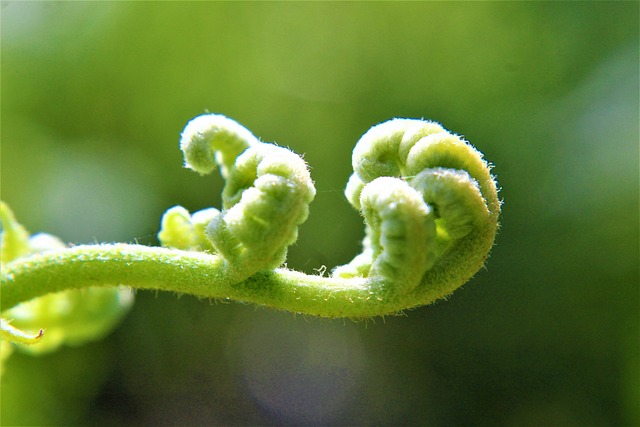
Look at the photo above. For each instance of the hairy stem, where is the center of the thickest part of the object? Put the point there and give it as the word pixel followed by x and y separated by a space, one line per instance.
pixel 203 275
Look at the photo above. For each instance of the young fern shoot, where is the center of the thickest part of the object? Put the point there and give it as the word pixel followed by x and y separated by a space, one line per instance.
pixel 428 199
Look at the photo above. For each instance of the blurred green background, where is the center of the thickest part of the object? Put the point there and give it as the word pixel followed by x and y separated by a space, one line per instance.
pixel 95 95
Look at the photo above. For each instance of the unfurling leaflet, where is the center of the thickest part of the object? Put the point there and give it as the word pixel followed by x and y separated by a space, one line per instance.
pixel 456 190
pixel 70 317
pixel 266 196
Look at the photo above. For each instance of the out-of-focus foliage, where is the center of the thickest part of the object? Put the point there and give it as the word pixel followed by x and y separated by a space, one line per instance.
pixel 94 96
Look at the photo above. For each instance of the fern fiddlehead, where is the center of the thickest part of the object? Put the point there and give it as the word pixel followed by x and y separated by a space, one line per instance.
pixel 455 185
pixel 266 195
pixel 428 199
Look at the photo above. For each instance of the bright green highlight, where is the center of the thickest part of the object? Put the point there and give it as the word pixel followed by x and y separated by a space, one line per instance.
pixel 9 333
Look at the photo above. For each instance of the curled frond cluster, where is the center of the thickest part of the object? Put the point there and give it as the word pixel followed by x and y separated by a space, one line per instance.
pixel 428 199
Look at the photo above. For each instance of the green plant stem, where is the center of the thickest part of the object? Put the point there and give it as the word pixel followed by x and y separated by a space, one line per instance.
pixel 208 276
